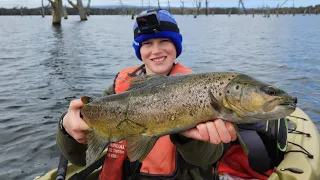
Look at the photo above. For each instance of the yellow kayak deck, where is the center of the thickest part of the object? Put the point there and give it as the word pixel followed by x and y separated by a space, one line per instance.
pixel 310 167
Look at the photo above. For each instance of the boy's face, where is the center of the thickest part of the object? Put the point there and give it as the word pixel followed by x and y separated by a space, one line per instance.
pixel 158 55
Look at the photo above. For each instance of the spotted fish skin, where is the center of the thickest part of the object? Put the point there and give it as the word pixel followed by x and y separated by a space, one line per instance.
pixel 159 105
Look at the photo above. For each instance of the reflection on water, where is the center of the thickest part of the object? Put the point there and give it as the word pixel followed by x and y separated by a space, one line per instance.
pixel 44 67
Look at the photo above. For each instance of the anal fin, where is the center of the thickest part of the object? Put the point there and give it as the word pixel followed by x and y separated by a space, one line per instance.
pixel 138 147
pixel 96 145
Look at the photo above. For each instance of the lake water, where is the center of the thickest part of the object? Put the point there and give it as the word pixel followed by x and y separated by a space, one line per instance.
pixel 42 68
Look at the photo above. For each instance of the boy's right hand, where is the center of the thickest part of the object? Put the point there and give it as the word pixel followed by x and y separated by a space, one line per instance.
pixel 74 124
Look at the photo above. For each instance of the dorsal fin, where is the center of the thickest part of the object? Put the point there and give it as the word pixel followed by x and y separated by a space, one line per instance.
pixel 137 80
pixel 140 81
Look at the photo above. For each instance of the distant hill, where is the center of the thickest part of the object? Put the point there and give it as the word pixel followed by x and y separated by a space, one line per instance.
pixel 125 6
pixel 113 6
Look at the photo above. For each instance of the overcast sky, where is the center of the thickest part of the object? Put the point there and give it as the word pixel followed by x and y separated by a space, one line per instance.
pixel 164 3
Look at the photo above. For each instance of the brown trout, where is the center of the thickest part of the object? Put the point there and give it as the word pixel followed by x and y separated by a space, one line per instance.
pixel 160 105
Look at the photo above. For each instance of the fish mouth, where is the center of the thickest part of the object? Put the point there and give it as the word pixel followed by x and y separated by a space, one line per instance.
pixel 289 105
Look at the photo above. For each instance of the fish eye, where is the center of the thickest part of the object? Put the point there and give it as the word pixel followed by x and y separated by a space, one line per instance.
pixel 272 91
pixel 269 90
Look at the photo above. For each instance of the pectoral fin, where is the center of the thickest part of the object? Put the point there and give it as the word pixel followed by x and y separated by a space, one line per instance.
pixel 138 147
pixel 243 145
pixel 96 145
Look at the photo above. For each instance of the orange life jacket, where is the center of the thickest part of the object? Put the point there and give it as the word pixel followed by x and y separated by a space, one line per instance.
pixel 160 161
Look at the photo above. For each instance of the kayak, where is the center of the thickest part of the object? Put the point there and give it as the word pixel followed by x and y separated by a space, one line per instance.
pixel 302 160
pixel 305 134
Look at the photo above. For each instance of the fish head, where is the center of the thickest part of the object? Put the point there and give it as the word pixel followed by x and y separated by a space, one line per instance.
pixel 254 101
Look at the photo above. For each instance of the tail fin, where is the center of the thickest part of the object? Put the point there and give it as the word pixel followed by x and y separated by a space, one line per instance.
pixel 86 99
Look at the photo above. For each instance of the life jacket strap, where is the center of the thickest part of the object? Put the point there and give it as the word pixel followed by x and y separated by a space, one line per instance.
pixel 88 170
pixel 258 156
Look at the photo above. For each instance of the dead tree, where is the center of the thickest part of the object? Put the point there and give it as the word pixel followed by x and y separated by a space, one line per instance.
pixel 229 13
pixel 122 8
pixel 182 7
pixel 283 3
pixel 42 9
pixel 277 10
pixel 65 13
pixel 81 10
pixel 159 4
pixel 310 11
pixel 268 12
pixel 21 11
pixel 142 4
pixel 207 11
pixel 132 14
pixel 198 4
pixel 244 9
pixel 304 12
pixel 88 8
pixel 293 10
pixel 169 9
pixel 56 11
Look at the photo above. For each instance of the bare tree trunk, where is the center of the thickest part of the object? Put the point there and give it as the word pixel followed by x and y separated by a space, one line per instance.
pixel 293 10
pixel 42 9
pixel 133 13
pixel 182 7
pixel 310 11
pixel 122 9
pixel 169 10
pixel 88 8
pixel 198 4
pixel 81 10
pixel 21 11
pixel 56 11
pixel 239 8
pixel 277 10
pixel 244 9
pixel 305 11
pixel 207 11
pixel 159 4
pixel 65 13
